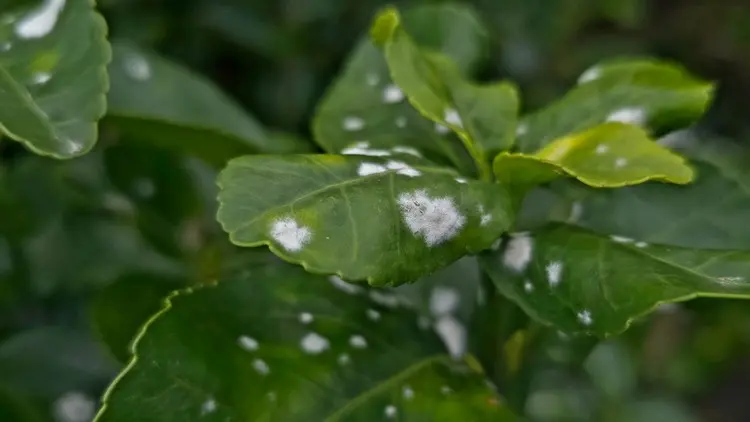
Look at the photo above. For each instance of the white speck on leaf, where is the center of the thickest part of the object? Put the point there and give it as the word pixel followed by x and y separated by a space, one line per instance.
pixel 406 150
pixel 363 148
pixel 208 406
pixel 641 244
pixel 358 342
pixel 407 392
pixel 461 180
pixel 585 317
pixel 400 122
pixel 248 343
pixel 392 94
pixel 528 286
pixel 391 411
pixel 443 300
pixel 403 168
pixel 602 149
pixel 453 334
pixel 366 169
pixel 554 272
pixel 344 286
pixel 384 299
pixel 518 252
pixel 521 129
pixel 343 359
pixel 74 406
pixel 576 211
pixel 620 239
pixel 306 317
pixel 436 220
pixel 41 20
pixel 40 78
pixel 440 129
pixel 5 46
pixel 453 118
pixel 621 162
pixel 314 343
pixel 485 218
pixel 631 115
pixel 589 75
pixel 137 67
pixel 353 124
pixel 261 366
pixel 372 79
pixel 290 235
pixel 373 314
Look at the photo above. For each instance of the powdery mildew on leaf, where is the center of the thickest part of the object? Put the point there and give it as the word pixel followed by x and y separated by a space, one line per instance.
pixel 436 220
pixel 290 235
pixel 518 252
pixel 314 343
pixel 554 272
pixel 41 21
pixel 631 115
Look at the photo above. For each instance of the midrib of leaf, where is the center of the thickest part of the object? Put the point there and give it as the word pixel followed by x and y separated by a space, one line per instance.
pixel 23 94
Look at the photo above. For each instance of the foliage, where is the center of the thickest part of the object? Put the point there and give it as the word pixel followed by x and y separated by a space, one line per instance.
pixel 439 250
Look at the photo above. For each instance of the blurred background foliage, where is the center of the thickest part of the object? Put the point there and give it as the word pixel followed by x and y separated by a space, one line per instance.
pixel 78 232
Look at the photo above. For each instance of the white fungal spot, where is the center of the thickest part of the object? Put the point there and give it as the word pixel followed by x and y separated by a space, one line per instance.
pixel 485 218
pixel 407 392
pixel 641 244
pixel 384 299
pixel 522 129
pixel 41 20
pixel 602 149
pixel 453 334
pixel 528 286
pixel 314 343
pixel 137 67
pixel 306 317
pixel 406 150
pixel 436 220
pixel 576 211
pixel 443 300
pixel 363 148
pixel 621 162
pixel 357 342
pixel 40 78
pixel 353 123
pixel 261 366
pixel 248 343
pixel 620 239
pixel 289 234
pixel 345 287
pixel 731 280
pixel 74 406
pixel 372 79
pixel 366 169
pixel 440 129
pixel 453 118
pixel 518 252
pixel 208 406
pixel 554 271
pixel 343 359
pixel 461 180
pixel 589 75
pixel 373 314
pixel 391 411
pixel 585 317
pixel 631 115
pixel 392 94
pixel 400 122
pixel 403 168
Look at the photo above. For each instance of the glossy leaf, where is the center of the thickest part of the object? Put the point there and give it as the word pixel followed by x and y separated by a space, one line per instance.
pixel 53 78
pixel 359 217
pixel 364 105
pixel 654 94
pixel 166 105
pixel 579 281
pixel 608 155
pixel 483 116
pixel 288 346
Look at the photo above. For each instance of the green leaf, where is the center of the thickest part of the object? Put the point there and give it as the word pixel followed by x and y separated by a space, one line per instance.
pixel 609 155
pixel 289 346
pixel 53 77
pixel 612 370
pixel 483 116
pixel 655 94
pixel 16 409
pixel 361 218
pixel 579 281
pixel 365 106
pixel 164 104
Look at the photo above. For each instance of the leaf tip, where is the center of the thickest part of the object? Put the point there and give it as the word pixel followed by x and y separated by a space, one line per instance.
pixel 385 23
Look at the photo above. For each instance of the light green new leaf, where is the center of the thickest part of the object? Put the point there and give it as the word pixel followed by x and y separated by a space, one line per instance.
pixel 283 345
pixel 53 77
pixel 609 155
pixel 579 281
pixel 359 217
pixel 655 94
pixel 483 116
pixel 365 107
pixel 164 104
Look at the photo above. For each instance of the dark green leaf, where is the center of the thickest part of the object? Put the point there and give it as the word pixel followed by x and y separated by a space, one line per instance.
pixel 15 409
pixel 361 218
pixel 655 94
pixel 53 77
pixel 579 281
pixel 287 346
pixel 483 116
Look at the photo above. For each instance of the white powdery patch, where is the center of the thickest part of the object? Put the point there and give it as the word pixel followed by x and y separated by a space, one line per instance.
pixel 602 149
pixel 314 343
pixel 137 67
pixel 248 343
pixel 620 239
pixel 406 150
pixel 621 162
pixel 484 218
pixel 41 20
pixel 453 334
pixel 585 317
pixel 392 94
pixel 518 252
pixel 74 406
pixel 444 301
pixel 343 359
pixel 440 129
pixel 461 180
pixel 373 314
pixel 345 287
pixel 576 212
pixel 403 168
pixel 366 169
pixel 363 148
pixel 400 122
pixel 261 367
pixel 208 406
pixel 372 79
pixel 357 342
pixel 290 235
pixel 353 123
pixel 522 129
pixel 453 118
pixel 528 287
pixel 437 220
pixel 632 115
pixel 641 244
pixel 391 411
pixel 384 299
pixel 589 75
pixel 40 78
pixel 306 317
pixel 554 272
pixel 407 392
